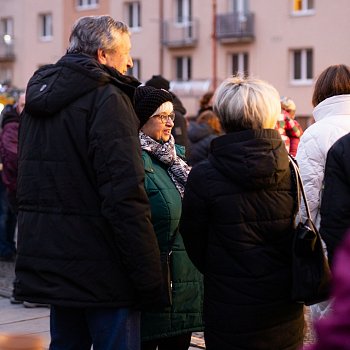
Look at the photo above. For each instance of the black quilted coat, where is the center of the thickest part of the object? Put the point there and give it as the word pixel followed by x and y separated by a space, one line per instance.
pixel 85 235
pixel 335 203
pixel 237 228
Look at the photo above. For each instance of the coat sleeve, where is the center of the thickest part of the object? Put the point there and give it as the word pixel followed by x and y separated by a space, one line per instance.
pixel 194 223
pixel 295 138
pixel 116 155
pixel 311 164
pixel 335 204
pixel 9 155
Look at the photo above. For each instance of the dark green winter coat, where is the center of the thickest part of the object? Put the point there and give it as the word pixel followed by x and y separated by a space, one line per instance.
pixel 185 315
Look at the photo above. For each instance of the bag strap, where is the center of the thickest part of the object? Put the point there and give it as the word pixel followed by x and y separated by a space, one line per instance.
pixel 300 187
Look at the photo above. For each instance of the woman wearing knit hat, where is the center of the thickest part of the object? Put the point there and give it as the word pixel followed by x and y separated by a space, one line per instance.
pixel 165 177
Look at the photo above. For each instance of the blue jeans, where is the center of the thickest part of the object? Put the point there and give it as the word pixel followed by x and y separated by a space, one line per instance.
pixel 104 328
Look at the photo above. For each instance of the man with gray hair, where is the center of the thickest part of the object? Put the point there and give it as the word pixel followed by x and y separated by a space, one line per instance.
pixel 86 244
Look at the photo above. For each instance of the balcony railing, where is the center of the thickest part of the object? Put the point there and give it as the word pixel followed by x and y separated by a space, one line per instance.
pixel 6 50
pixel 235 27
pixel 180 34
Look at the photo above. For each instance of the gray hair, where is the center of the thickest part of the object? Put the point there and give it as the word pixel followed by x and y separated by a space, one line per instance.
pixel 91 33
pixel 246 103
pixel 166 107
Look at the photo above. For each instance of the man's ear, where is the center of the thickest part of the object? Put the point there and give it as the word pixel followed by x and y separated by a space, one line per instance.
pixel 101 56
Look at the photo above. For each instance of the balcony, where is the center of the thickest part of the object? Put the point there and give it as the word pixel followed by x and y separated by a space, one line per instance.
pixel 6 49
pixel 180 34
pixel 235 27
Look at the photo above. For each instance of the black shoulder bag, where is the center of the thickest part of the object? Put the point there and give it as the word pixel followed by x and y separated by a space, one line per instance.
pixel 311 272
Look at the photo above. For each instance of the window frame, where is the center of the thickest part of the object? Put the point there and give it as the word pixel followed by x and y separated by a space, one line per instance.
pixel 135 8
pixel 87 4
pixel 7 30
pixel 46 26
pixel 305 69
pixel 242 63
pixel 304 8
pixel 185 73
pixel 7 26
pixel 6 75
pixel 239 6
pixel 183 12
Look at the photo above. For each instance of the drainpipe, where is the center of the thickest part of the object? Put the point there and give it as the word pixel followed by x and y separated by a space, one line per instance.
pixel 214 46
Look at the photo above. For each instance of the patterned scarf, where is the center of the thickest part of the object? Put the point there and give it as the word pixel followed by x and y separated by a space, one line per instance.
pixel 178 170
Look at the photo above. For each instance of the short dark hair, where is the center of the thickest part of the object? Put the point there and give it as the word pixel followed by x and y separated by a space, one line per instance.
pixel 334 80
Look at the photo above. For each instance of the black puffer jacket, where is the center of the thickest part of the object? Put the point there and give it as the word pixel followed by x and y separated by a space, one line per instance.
pixel 200 137
pixel 237 228
pixel 335 203
pixel 179 130
pixel 85 235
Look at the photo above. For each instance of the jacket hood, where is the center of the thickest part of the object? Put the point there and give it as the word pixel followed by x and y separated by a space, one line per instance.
pixel 178 106
pixel 197 132
pixel 252 158
pixel 331 106
pixel 54 86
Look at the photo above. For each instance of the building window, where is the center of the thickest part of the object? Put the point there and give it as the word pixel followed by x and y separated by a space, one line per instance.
pixel 46 31
pixel 303 6
pixel 240 6
pixel 6 26
pixel 134 14
pixel 239 64
pixel 5 76
pixel 302 66
pixel 6 30
pixel 183 68
pixel 135 71
pixel 183 11
pixel 87 4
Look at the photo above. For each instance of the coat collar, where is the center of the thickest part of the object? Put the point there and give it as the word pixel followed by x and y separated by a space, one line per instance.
pixel 332 106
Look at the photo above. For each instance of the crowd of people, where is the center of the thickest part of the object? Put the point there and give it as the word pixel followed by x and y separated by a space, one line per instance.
pixel 105 179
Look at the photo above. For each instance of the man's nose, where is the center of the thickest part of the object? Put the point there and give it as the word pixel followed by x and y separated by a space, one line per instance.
pixel 130 62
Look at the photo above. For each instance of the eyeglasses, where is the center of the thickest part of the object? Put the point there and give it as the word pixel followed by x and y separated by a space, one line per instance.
pixel 165 117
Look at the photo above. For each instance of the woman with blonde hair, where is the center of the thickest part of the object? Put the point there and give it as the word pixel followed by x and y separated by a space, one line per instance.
pixel 237 224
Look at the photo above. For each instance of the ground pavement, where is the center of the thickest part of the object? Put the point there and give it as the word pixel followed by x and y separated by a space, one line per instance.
pixel 18 319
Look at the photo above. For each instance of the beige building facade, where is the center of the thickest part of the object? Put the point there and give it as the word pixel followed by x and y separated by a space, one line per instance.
pixel 193 43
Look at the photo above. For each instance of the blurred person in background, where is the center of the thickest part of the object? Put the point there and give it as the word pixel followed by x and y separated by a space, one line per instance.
pixel 331 101
pixel 206 102
pixel 288 127
pixel 9 157
pixel 200 134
